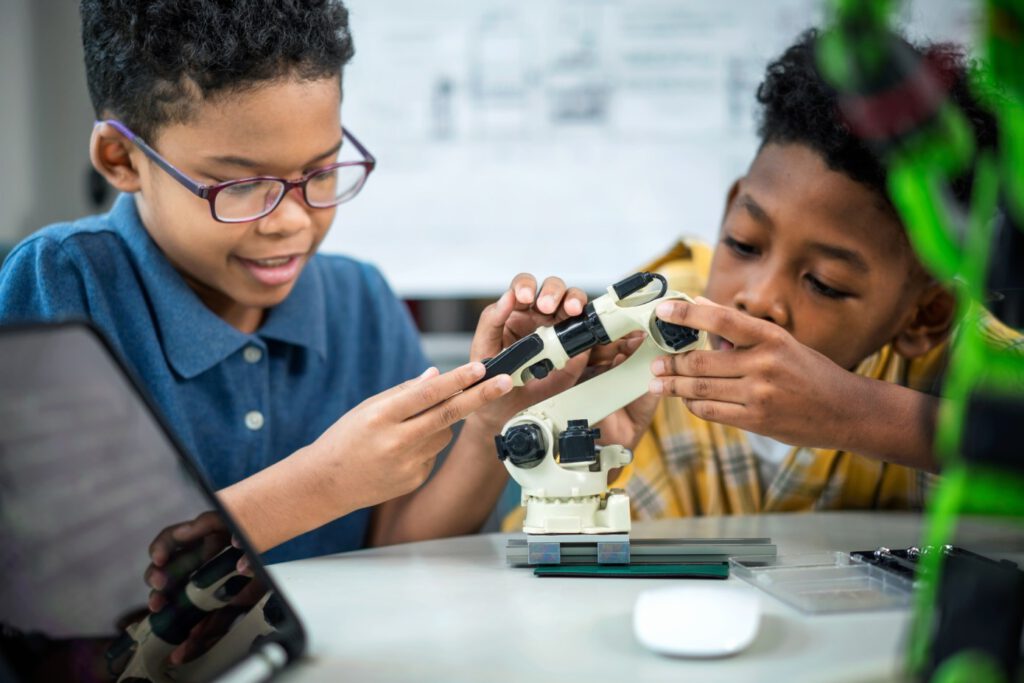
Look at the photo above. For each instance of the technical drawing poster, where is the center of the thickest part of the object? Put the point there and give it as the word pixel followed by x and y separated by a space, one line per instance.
pixel 569 137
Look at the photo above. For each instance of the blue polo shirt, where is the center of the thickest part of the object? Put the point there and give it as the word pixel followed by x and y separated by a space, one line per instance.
pixel 238 402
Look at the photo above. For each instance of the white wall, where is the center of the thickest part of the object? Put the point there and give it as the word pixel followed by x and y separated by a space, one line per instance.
pixel 45 116
pixel 571 137
pixel 16 170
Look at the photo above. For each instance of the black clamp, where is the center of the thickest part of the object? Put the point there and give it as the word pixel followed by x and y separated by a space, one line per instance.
pixel 576 443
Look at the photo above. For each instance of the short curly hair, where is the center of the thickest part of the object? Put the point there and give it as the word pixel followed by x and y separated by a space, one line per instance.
pixel 149 63
pixel 798 106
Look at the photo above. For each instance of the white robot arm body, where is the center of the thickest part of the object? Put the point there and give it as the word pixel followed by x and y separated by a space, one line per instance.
pixel 549 448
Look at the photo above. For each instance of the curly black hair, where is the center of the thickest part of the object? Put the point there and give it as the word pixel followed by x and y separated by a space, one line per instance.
pixel 798 106
pixel 149 63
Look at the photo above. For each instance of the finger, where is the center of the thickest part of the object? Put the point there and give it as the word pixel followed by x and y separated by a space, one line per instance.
pixel 155 578
pixel 739 328
pixel 632 341
pixel 700 364
pixel 181 566
pixel 606 353
pixel 574 301
pixel 700 388
pixel 170 540
pixel 524 285
pixel 202 526
pixel 490 329
pixel 177 656
pixel 421 396
pixel 161 547
pixel 550 296
pixel 157 601
pixel 404 386
pixel 458 407
pixel 575 371
pixel 641 411
pixel 717 411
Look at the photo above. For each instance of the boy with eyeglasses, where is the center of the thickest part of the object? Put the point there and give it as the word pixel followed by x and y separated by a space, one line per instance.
pixel 295 379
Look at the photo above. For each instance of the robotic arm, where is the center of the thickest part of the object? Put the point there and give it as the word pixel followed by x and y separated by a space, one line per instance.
pixel 549 448
pixel 140 654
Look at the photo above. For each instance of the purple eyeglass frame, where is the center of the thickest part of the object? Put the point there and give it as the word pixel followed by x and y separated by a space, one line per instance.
pixel 210 192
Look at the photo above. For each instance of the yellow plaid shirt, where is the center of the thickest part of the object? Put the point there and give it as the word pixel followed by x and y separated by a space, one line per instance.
pixel 686 466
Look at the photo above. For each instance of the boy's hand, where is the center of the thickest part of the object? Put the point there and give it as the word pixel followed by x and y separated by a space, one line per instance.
pixel 518 313
pixel 174 554
pixel 522 309
pixel 767 382
pixel 385 447
pixel 182 548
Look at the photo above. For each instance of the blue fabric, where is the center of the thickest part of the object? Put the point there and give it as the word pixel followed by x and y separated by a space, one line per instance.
pixel 340 337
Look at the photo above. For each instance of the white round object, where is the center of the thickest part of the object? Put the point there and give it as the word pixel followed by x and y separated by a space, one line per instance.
pixel 254 420
pixel 697 620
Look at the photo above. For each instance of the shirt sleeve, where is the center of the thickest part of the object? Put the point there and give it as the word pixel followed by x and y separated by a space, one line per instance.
pixel 40 281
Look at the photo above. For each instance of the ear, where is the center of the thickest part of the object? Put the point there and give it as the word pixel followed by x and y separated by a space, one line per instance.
pixel 111 154
pixel 928 323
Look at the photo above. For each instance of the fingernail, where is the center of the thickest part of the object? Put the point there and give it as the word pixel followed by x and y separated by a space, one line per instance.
pixel 503 383
pixel 656 386
pixel 157 580
pixel 658 366
pixel 427 372
pixel 524 295
pixel 476 368
pixel 182 532
pixel 242 565
pixel 546 304
pixel 573 307
pixel 666 308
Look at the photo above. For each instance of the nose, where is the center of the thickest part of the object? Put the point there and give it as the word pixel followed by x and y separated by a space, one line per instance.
pixel 290 216
pixel 763 296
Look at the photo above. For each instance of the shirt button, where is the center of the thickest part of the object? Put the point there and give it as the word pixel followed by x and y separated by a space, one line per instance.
pixel 252 354
pixel 254 420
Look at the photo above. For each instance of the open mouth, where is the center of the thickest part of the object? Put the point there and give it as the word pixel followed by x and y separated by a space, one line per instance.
pixel 273 262
pixel 274 271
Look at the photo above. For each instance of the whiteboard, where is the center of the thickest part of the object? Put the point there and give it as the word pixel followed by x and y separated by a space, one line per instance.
pixel 569 137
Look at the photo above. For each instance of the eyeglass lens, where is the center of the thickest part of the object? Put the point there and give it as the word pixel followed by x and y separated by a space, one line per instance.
pixel 251 200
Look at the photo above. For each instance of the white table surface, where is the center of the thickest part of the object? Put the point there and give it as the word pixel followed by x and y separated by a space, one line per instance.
pixel 451 610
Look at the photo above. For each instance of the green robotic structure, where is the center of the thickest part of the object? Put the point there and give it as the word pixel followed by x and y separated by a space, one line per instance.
pixel 895 100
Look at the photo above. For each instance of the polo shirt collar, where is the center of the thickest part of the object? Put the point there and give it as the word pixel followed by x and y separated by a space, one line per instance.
pixel 301 319
pixel 193 337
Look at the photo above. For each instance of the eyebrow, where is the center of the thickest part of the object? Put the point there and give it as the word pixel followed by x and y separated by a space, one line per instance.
pixel 848 256
pixel 756 211
pixel 243 162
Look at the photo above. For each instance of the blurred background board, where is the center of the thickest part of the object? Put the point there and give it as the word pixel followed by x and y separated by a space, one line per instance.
pixel 569 137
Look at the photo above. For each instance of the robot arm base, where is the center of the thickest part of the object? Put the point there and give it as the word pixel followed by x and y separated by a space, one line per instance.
pixel 588 515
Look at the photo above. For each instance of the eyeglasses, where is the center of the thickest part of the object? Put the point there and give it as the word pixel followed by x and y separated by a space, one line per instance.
pixel 249 199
